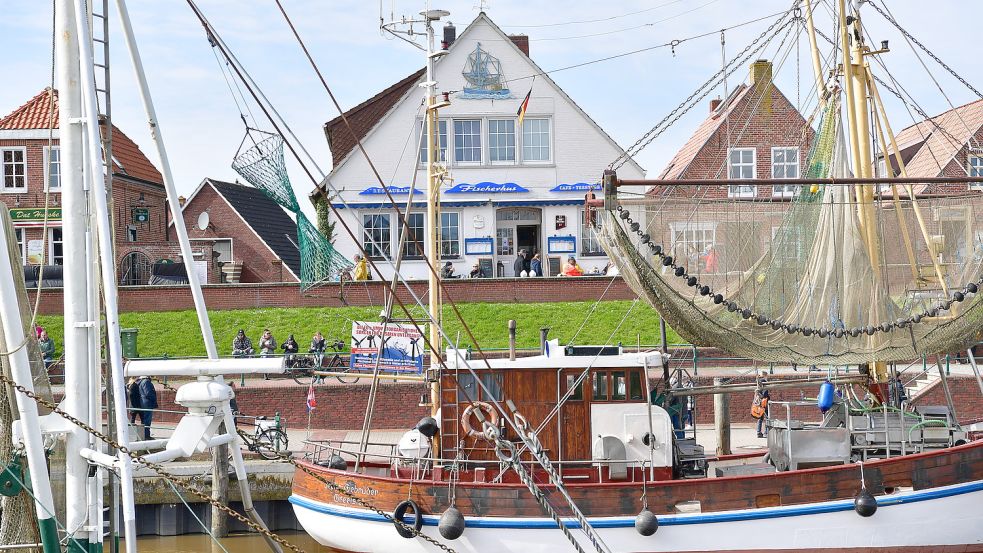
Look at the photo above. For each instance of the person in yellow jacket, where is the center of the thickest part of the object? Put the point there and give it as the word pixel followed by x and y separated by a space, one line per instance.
pixel 361 268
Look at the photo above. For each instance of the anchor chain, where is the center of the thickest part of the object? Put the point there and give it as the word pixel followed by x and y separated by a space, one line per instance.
pixel 161 471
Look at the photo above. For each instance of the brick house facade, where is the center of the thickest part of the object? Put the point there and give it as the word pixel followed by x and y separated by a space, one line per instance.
pixel 30 165
pixel 243 227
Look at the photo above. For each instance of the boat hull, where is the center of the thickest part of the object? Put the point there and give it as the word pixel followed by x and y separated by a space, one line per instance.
pixel 930 501
pixel 944 519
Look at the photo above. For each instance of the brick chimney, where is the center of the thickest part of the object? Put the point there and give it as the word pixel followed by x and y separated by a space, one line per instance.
pixel 522 41
pixel 714 104
pixel 761 75
pixel 181 200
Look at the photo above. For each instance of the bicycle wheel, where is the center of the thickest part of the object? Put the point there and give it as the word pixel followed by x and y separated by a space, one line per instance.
pixel 338 366
pixel 270 443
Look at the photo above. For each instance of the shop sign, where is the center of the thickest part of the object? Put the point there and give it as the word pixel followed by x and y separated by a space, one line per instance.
pixel 34 214
pixel 575 187
pixel 561 222
pixel 486 188
pixel 402 347
pixel 394 190
pixel 141 215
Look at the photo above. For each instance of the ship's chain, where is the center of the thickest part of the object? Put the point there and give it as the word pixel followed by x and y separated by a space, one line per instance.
pixel 924 48
pixel 162 472
pixel 706 88
pixel 506 452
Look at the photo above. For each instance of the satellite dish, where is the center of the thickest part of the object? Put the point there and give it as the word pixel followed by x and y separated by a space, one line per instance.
pixel 203 220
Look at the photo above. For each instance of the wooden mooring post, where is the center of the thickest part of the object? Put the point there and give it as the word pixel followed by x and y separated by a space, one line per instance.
pixel 721 419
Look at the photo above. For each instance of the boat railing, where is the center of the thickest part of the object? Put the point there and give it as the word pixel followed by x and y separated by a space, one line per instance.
pixel 321 451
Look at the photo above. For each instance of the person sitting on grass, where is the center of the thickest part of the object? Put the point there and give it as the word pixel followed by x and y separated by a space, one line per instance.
pixel 242 346
pixel 570 268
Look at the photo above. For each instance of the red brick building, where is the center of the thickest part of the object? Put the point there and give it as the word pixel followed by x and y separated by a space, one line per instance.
pixel 30 170
pixel 754 133
pixel 253 238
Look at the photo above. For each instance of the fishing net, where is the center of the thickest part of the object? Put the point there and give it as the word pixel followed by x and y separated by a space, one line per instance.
pixel 18 522
pixel 797 280
pixel 263 166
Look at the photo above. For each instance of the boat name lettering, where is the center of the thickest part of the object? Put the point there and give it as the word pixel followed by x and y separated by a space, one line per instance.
pixel 351 488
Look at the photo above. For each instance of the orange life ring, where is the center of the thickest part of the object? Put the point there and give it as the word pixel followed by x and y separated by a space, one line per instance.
pixel 489 413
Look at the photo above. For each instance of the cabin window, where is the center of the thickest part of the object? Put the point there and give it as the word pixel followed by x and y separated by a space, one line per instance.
pixel 467 390
pixel 600 386
pixel 578 393
pixel 618 388
pixel 493 382
pixel 635 386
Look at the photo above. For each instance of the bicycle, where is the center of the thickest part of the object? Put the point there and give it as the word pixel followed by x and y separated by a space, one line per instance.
pixel 268 438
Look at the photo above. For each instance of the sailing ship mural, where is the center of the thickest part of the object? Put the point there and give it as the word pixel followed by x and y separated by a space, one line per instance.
pixel 484 76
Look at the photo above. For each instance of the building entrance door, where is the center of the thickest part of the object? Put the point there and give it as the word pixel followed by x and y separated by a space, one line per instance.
pixel 517 228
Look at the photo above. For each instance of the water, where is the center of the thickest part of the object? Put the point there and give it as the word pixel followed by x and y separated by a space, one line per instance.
pixel 236 543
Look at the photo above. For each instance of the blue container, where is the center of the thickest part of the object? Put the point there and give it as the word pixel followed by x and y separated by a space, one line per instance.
pixel 826 394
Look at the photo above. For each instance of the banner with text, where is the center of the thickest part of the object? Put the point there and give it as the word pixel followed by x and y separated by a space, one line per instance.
pixel 402 347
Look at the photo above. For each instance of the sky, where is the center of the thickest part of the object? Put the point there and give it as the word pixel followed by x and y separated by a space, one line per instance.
pixel 199 117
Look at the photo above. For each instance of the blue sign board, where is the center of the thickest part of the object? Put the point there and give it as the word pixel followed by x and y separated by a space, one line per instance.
pixel 394 190
pixel 485 188
pixel 402 348
pixel 575 187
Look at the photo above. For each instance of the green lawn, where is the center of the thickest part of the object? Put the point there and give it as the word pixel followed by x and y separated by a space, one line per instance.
pixel 176 332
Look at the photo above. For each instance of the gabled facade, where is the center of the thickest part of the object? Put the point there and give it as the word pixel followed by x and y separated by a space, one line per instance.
pixel 253 238
pixel 514 186
pixel 30 167
pixel 755 133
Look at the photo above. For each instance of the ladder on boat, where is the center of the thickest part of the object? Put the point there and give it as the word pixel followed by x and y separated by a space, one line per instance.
pixel 449 419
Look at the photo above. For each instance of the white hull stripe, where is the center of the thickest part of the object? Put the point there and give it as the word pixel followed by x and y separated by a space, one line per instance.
pixel 664 520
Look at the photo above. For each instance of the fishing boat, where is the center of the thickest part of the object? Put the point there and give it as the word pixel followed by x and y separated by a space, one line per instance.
pixel 579 447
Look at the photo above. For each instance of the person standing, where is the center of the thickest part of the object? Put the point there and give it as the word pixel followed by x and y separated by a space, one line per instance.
pixel 47 346
pixel 133 392
pixel 536 266
pixel 519 264
pixel 690 405
pixel 242 346
pixel 148 402
pixel 361 271
pixel 759 407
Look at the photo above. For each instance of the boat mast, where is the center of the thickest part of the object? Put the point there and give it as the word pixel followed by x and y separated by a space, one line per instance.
pixel 434 179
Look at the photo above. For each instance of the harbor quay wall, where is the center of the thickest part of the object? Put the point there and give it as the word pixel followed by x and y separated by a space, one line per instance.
pixel 341 407
pixel 365 293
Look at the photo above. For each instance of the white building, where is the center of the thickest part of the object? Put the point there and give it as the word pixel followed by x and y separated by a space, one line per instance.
pixel 513 187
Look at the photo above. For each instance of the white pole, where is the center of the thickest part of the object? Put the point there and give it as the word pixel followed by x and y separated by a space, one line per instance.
pixel 108 271
pixel 74 225
pixel 20 368
pixel 165 167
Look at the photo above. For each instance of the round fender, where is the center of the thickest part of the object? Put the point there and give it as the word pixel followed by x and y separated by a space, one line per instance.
pixel 489 413
pixel 400 512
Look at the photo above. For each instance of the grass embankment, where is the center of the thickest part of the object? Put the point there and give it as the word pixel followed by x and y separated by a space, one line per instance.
pixel 176 333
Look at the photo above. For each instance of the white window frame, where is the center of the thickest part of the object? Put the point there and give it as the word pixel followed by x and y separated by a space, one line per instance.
pixel 678 233
pixel 21 235
pixel 3 175
pixel 366 244
pixel 481 146
pixel 459 253
pixel 974 168
pixel 51 259
pixel 47 169
pixel 410 249
pixel 785 191
pixel 515 141
pixel 589 237
pixel 742 190
pixel 549 141
pixel 421 142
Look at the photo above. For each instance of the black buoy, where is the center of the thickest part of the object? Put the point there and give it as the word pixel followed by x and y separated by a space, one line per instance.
pixel 645 238
pixel 718 298
pixel 667 260
pixel 691 281
pixel 427 426
pixel 646 523
pixel 680 271
pixel 864 503
pixel 451 524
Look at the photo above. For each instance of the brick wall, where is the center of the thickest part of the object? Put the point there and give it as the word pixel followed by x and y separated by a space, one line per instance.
pixel 250 296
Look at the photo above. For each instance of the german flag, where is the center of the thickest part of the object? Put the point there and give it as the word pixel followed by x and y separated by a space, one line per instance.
pixel 525 104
